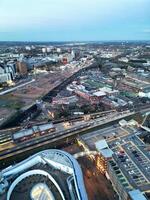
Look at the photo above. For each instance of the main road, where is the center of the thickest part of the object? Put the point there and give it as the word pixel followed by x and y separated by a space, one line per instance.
pixel 59 137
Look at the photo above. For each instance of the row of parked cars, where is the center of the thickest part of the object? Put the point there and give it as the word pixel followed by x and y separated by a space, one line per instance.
pixel 130 168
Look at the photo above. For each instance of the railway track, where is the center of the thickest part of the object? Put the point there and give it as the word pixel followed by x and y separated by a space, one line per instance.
pixel 41 139
pixel 6 134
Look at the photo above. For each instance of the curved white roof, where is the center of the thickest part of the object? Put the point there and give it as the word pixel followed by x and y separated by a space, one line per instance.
pixel 52 158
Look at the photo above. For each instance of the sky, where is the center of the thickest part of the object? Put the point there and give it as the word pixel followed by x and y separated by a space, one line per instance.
pixel 74 20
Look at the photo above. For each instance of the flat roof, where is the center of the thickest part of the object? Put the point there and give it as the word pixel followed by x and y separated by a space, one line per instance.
pixel 137 195
pixel 135 168
pixel 107 153
pixel 92 137
pixel 101 144
pixel 99 93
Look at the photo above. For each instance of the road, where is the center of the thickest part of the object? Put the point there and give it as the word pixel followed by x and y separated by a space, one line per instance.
pixel 62 133
pixel 15 88
pixel 58 135
pixel 47 97
pixel 6 134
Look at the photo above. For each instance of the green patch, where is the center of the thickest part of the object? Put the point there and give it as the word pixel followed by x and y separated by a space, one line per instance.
pixel 97 84
pixel 9 103
pixel 129 94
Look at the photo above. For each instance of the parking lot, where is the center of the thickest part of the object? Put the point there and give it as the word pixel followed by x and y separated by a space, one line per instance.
pixel 139 159
pixel 134 165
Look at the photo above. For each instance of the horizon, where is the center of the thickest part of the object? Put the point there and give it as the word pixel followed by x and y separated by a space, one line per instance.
pixel 74 41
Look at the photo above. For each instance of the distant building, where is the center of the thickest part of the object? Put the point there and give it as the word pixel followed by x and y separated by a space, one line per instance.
pixel 65 100
pixel 123 59
pixel 28 48
pixel 7 72
pixel 67 58
pixel 134 85
pixel 92 98
pixel 44 50
pixel 58 50
pixel 22 68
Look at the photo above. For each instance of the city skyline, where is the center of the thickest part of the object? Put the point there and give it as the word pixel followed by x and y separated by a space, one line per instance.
pixel 67 20
pixel 75 99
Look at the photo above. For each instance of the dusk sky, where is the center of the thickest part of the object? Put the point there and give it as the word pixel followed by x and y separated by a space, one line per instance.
pixel 78 20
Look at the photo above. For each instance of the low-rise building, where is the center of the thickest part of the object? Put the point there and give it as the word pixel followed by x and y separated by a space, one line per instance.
pixel 105 154
pixel 122 157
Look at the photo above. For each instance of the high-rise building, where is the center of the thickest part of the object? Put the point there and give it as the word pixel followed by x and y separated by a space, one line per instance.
pixel 22 68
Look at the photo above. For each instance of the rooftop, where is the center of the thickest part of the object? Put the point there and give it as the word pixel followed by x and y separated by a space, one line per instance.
pixel 50 174
pixel 99 93
pixel 107 153
pixel 130 155
pixel 133 159
pixel 101 144
pixel 136 195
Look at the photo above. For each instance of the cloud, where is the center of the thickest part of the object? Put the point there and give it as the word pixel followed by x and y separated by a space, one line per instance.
pixel 146 30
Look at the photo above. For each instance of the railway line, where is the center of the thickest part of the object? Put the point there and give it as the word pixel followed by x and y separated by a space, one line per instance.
pixel 60 136
pixel 6 134
pixel 41 139
pixel 32 110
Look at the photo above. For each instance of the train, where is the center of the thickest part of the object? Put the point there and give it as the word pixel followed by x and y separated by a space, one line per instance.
pixel 27 134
